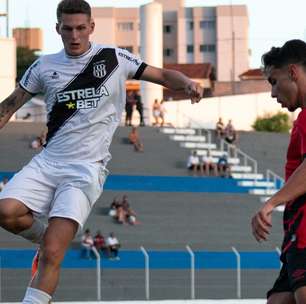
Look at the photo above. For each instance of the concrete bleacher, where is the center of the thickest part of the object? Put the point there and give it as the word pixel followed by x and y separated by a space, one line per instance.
pixel 169 220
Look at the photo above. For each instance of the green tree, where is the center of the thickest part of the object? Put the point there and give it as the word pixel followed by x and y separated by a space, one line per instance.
pixel 278 122
pixel 25 57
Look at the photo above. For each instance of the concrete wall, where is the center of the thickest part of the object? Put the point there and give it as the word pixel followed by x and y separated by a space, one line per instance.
pixel 7 67
pixel 242 109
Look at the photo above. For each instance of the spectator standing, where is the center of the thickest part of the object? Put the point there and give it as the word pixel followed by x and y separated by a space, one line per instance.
pixel 162 111
pixel 156 112
pixel 219 128
pixel 113 246
pixel 230 134
pixel 87 244
pixel 129 107
pixel 139 108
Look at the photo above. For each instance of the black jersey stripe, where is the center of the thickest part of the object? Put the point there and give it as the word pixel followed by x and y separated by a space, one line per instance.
pixel 61 113
pixel 140 71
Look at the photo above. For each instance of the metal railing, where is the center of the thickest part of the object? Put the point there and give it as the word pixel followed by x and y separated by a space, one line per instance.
pixel 188 260
pixel 277 180
pixel 233 151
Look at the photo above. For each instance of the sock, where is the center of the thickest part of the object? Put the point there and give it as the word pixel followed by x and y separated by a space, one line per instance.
pixel 36 296
pixel 35 233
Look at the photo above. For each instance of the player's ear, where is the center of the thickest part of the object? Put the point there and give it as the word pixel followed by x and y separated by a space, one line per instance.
pixel 92 26
pixel 293 72
pixel 57 28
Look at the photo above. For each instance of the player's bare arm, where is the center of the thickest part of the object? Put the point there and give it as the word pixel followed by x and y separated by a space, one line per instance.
pixel 294 188
pixel 173 80
pixel 12 103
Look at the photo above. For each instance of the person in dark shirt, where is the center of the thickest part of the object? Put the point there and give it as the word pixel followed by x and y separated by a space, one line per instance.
pixel 285 69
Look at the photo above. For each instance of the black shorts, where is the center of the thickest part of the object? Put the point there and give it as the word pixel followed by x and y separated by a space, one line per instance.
pixel 293 273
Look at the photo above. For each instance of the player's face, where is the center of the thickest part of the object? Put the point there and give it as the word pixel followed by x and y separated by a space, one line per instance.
pixel 284 89
pixel 75 30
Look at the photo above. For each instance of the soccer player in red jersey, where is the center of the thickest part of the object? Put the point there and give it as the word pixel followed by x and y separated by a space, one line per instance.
pixel 285 68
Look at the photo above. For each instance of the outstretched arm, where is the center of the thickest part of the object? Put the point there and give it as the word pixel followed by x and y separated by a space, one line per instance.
pixel 293 188
pixel 173 80
pixel 12 103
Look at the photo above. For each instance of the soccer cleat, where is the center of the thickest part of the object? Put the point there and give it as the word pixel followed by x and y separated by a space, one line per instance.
pixel 35 265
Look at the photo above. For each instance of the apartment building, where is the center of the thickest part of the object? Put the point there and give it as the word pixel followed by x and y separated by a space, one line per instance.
pixel 217 35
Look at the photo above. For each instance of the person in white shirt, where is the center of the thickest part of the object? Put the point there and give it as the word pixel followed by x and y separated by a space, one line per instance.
pixel 87 244
pixel 209 164
pixel 193 163
pixel 84 89
pixel 112 245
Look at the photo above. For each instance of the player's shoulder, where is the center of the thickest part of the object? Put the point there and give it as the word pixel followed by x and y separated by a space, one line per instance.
pixel 300 122
pixel 302 116
pixel 45 59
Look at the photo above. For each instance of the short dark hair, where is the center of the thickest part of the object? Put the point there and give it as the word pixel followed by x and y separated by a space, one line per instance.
pixel 293 51
pixel 73 7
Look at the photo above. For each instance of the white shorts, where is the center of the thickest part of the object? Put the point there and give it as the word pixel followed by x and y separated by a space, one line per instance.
pixel 57 189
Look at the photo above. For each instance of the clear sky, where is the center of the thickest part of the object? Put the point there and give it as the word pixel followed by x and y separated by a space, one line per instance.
pixel 272 22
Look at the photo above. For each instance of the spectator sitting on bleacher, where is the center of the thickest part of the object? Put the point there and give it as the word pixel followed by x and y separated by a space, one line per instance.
pixel 223 166
pixel 219 128
pixel 135 140
pixel 39 141
pixel 230 134
pixel 130 214
pixel 113 207
pixel 3 183
pixel 87 244
pixel 112 245
pixel 99 242
pixel 193 163
pixel 209 164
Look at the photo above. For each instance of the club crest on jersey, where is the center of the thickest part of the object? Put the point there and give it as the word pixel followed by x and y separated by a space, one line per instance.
pixel 99 69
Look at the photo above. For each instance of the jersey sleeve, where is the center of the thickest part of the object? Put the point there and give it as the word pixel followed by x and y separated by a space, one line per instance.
pixel 132 65
pixel 31 80
pixel 301 124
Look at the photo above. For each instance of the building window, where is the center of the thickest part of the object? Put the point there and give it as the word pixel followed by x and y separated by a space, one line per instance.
pixel 207 48
pixel 190 25
pixel 168 52
pixel 125 26
pixel 128 48
pixel 167 28
pixel 190 48
pixel 208 24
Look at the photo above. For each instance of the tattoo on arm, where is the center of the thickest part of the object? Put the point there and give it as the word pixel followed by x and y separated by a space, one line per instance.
pixel 11 104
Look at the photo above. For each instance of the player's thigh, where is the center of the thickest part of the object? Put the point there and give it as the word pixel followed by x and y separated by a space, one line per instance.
pixel 12 208
pixel 281 298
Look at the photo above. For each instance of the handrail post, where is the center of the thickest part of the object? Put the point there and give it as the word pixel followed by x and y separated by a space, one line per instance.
pixel 209 136
pixel 192 271
pixel 147 272
pixel 238 272
pixel 279 253
pixel 95 251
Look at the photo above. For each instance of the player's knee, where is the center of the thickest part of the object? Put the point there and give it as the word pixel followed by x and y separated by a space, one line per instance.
pixel 52 255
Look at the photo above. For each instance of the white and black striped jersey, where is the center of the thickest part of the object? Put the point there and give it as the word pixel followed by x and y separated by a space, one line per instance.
pixel 85 98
